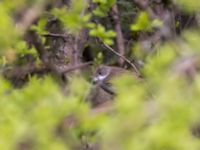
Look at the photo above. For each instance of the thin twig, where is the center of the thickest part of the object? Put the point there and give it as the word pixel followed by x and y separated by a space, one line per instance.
pixel 124 58
pixel 20 72
pixel 72 68
pixel 56 35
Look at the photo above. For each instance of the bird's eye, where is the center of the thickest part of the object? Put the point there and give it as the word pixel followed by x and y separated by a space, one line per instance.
pixel 100 73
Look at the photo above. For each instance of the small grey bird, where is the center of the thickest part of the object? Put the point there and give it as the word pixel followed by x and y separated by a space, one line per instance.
pixel 106 73
pixel 103 90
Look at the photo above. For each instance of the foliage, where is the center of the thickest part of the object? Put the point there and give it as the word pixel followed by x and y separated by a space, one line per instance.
pixel 143 23
pixel 103 8
pixel 189 6
pixel 73 18
pixel 100 32
pixel 33 119
pixel 8 32
pixel 157 112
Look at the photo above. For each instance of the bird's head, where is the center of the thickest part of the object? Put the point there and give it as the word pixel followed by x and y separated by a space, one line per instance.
pixel 104 74
pixel 101 74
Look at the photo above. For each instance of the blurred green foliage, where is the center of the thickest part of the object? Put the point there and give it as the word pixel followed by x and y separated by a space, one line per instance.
pixel 8 31
pixel 156 113
pixel 40 27
pixel 103 7
pixel 74 18
pixel 159 120
pixel 143 23
pixel 191 6
pixel 32 115
pixel 100 32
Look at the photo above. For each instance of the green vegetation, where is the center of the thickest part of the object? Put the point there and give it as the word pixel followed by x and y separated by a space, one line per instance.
pixel 158 112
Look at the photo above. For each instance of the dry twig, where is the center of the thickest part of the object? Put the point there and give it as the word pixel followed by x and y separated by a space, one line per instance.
pixel 124 58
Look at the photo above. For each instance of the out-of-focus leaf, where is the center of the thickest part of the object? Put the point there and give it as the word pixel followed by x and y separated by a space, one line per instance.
pixel 100 32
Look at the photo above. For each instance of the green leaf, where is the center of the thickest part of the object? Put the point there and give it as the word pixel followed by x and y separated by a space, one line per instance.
pixel 100 32
pixel 142 22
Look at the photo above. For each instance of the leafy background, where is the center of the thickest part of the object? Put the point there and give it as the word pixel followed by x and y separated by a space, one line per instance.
pixel 159 112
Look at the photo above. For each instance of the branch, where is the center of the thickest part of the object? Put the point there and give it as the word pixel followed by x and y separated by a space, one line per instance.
pixel 30 16
pixel 72 68
pixel 124 58
pixel 56 35
pixel 119 38
pixel 21 72
pixel 36 41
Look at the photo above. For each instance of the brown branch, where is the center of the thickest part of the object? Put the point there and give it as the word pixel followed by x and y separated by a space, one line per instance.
pixel 72 68
pixel 75 52
pixel 43 54
pixel 36 41
pixel 21 72
pixel 30 16
pixel 119 38
pixel 124 58
pixel 56 35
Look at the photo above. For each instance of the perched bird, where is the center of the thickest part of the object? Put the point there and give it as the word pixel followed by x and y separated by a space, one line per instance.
pixel 103 90
pixel 104 74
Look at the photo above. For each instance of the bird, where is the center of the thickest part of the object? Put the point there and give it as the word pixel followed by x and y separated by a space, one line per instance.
pixel 103 90
pixel 104 74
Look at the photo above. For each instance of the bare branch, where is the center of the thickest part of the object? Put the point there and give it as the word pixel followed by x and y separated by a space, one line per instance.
pixel 72 68
pixel 119 38
pixel 124 58
pixel 56 35
pixel 21 72
pixel 30 16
